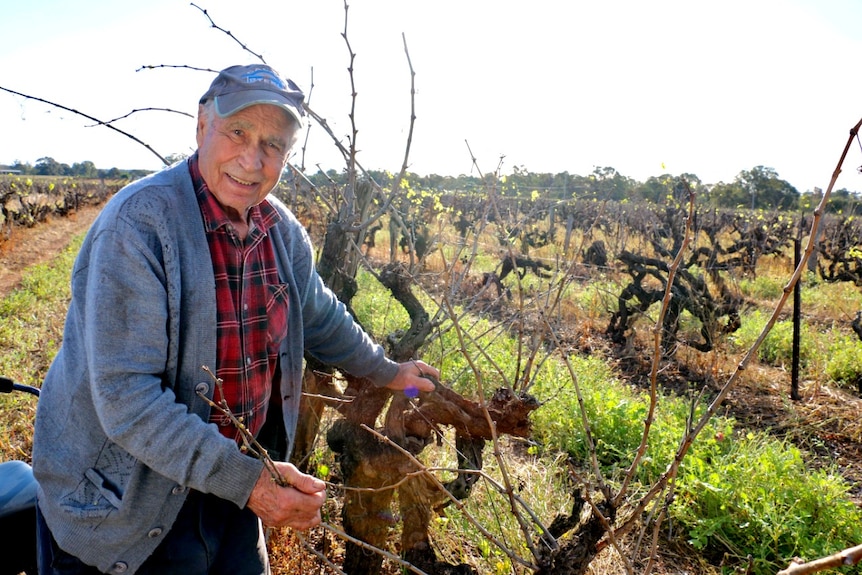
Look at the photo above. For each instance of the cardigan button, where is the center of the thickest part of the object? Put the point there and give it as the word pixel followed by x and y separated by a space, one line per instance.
pixel 120 567
pixel 178 490
pixel 154 532
pixel 202 388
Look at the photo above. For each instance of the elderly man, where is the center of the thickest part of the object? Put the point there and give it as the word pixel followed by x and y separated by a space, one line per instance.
pixel 194 266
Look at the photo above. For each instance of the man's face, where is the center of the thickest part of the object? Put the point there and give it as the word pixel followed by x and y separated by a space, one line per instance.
pixel 241 157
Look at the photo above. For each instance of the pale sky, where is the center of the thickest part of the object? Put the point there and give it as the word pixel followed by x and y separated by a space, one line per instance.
pixel 646 87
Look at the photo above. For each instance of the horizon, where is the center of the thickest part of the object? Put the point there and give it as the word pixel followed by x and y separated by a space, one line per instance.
pixel 4 166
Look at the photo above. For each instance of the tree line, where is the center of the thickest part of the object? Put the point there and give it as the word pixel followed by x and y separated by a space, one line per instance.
pixel 759 188
pixel 48 166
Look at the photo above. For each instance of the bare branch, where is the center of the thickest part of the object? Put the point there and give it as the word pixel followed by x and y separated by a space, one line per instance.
pixel 657 349
pixel 89 117
pixel 318 554
pixel 844 558
pixel 136 110
pixel 250 444
pixel 377 550
pixel 234 38
pixel 184 66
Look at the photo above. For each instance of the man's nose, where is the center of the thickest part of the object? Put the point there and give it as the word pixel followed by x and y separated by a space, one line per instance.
pixel 251 157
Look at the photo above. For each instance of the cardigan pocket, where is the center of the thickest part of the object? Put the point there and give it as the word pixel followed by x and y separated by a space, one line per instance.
pixel 101 489
pixel 104 487
pixel 93 498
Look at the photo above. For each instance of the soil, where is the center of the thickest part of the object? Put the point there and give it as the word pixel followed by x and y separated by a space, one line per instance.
pixel 22 247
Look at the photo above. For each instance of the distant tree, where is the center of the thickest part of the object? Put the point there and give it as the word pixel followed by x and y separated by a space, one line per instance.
pixel 605 183
pixel 766 190
pixel 48 166
pixel 844 202
pixel 85 169
pixel 657 189
pixel 731 195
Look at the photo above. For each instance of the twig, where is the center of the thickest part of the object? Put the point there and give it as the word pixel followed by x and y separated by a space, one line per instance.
pixel 316 553
pixel 185 66
pixel 601 516
pixel 657 350
pixel 307 138
pixel 591 444
pixel 235 39
pixel 250 444
pixel 136 110
pixel 328 398
pixel 844 558
pixel 351 160
pixel 372 548
pixel 480 392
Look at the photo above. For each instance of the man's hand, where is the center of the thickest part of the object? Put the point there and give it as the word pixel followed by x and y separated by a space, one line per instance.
pixel 297 505
pixel 414 376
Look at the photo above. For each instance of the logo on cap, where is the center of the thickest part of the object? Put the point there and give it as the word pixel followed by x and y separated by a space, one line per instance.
pixel 265 76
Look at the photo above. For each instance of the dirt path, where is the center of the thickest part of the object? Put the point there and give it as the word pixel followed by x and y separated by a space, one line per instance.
pixel 24 247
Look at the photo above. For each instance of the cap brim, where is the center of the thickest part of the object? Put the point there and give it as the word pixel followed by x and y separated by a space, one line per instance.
pixel 230 104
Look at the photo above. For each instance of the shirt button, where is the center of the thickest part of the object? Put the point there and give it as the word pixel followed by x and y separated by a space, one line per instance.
pixel 119 567
pixel 248 360
pixel 154 532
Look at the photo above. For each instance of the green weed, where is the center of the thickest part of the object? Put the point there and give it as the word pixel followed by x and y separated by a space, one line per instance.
pixel 749 495
pixel 758 499
pixel 762 287
pixel 777 348
pixel 844 363
pixel 832 300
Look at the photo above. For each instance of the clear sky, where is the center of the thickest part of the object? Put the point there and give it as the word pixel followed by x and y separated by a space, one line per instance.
pixel 646 87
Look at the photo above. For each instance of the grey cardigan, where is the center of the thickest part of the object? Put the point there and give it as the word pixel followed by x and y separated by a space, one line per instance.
pixel 120 434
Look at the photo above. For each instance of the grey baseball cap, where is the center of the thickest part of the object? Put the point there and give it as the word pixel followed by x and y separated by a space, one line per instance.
pixel 239 87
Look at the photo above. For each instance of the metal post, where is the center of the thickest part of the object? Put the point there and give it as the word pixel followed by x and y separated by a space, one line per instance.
pixel 797 321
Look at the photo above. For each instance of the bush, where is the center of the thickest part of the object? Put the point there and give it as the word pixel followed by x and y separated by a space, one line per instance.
pixel 759 499
pixel 762 288
pixel 777 348
pixel 844 363
pixel 616 416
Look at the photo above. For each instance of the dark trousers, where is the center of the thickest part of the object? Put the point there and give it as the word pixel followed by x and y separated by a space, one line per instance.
pixel 211 536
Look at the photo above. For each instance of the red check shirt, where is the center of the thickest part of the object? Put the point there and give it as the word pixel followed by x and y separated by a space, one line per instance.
pixel 251 306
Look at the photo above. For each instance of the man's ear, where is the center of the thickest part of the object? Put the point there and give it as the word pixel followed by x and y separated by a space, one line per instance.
pixel 201 127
